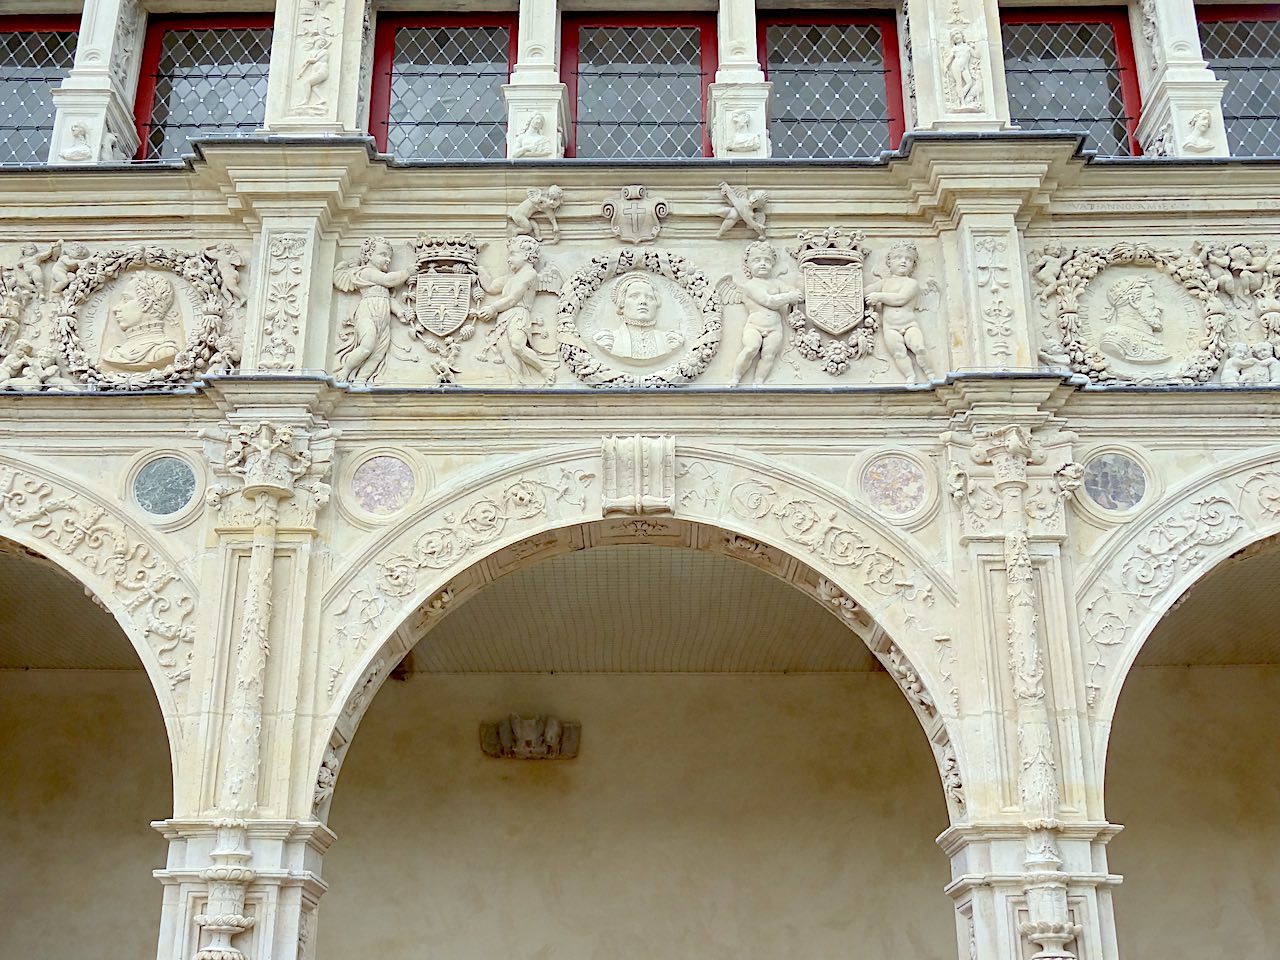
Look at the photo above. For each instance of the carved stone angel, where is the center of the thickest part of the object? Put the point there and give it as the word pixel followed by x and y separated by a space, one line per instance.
pixel 741 207
pixel 545 202
pixel 366 337
pixel 767 301
pixel 511 339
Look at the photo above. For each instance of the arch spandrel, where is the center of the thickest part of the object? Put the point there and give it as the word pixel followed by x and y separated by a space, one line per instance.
pixel 92 541
pixel 1167 549
pixel 794 527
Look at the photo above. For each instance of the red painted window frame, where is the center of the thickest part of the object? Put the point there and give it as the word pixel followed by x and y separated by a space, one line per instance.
pixel 886 20
pixel 1214 12
pixel 39 23
pixel 384 50
pixel 1118 19
pixel 157 27
pixel 572 23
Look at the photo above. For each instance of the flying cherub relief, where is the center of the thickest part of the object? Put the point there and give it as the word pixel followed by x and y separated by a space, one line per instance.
pixel 741 207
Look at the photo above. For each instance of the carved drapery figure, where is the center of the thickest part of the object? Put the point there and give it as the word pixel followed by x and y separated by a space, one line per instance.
pixel 512 337
pixel 366 338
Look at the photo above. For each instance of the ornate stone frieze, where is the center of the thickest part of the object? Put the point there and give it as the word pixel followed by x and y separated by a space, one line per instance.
pixel 638 475
pixel 635 216
pixel 281 344
pixel 630 310
pixel 530 738
pixel 114 555
pixel 143 317
pixel 1132 313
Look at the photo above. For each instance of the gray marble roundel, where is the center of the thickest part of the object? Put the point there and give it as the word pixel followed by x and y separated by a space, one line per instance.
pixel 1115 481
pixel 164 486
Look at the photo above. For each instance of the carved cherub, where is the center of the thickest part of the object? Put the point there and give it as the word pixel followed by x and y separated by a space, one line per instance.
pixel 1046 268
pixel 1236 364
pixel 1249 273
pixel 1217 263
pixel 29 273
pixel 545 202
pixel 742 207
pixel 366 336
pixel 228 260
pixel 13 368
pixel 1265 368
pixel 70 257
pixel 767 301
pixel 314 70
pixel 513 308
pixel 895 298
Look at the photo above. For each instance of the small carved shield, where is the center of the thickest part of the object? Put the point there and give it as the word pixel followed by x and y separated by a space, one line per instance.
pixel 443 301
pixel 833 297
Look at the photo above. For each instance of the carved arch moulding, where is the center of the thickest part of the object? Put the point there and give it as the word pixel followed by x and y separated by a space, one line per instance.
pixel 799 529
pixel 1165 551
pixel 124 569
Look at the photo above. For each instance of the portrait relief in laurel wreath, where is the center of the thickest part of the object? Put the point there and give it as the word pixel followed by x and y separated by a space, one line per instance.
pixel 138 322
pixel 1141 320
pixel 639 319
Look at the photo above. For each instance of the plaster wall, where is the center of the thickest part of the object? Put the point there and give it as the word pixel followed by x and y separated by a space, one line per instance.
pixel 1193 774
pixel 84 769
pixel 707 816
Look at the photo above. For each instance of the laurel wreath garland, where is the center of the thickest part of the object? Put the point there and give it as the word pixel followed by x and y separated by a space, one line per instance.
pixel 208 347
pixel 604 267
pixel 1084 266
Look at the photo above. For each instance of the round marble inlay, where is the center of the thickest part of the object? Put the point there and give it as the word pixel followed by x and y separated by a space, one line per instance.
pixel 164 486
pixel 382 485
pixel 894 484
pixel 1115 481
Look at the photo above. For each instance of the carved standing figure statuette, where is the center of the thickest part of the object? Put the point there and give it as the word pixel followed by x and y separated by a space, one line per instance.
pixel 512 337
pixel 768 301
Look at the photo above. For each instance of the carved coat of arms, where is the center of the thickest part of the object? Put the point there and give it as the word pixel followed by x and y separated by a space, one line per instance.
pixel 444 291
pixel 634 217
pixel 831 263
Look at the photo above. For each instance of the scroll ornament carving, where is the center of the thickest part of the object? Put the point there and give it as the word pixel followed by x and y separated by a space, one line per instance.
pixel 991 262
pixel 327 778
pixel 640 328
pixel 530 738
pixel 156 597
pixel 831 539
pixel 908 679
pixel 1171 546
pixel 639 475
pixel 952 784
pixel 840 603
pixel 635 216
pixel 482 521
pixel 1131 313
pixel 281 320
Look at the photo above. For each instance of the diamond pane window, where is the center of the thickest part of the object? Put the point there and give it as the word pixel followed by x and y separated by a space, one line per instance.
pixel 836 87
pixel 1072 74
pixel 202 78
pixel 36 53
pixel 639 91
pixel 1245 52
pixel 437 90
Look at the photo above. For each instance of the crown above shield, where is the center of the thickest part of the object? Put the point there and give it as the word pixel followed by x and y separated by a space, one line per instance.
pixel 450 254
pixel 833 247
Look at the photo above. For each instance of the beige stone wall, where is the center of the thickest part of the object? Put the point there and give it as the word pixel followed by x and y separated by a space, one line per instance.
pixel 1193 773
pixel 84 768
pixel 707 816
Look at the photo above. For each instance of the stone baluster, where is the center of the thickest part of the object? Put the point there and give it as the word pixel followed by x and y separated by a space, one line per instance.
pixel 94 120
pixel 1181 98
pixel 537 102
pixel 738 111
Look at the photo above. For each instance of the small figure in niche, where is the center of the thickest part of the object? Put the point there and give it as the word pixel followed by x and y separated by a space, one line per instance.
pixel 78 151
pixel 314 71
pixel 228 260
pixel 1199 141
pixel 958 62
pixel 741 137
pixel 532 142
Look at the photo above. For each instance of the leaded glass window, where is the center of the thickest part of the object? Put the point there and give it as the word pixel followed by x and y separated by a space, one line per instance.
pixel 203 81
pixel 833 94
pixel 638 91
pixel 1072 75
pixel 1246 54
pixel 439 90
pixel 32 63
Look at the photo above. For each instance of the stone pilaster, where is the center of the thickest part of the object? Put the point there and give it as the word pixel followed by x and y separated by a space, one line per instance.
pixel 958 65
pixel 537 102
pixel 1181 98
pixel 316 60
pixel 1028 879
pixel 738 110
pixel 94 117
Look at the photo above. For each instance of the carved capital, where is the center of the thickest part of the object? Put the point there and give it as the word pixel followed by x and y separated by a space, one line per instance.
pixel 265 464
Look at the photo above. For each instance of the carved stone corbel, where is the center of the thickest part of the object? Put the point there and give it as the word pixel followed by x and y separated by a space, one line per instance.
pixel 639 475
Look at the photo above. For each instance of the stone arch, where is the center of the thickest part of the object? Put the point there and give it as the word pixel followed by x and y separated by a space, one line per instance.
pixel 1170 547
pixel 122 567
pixel 877 582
